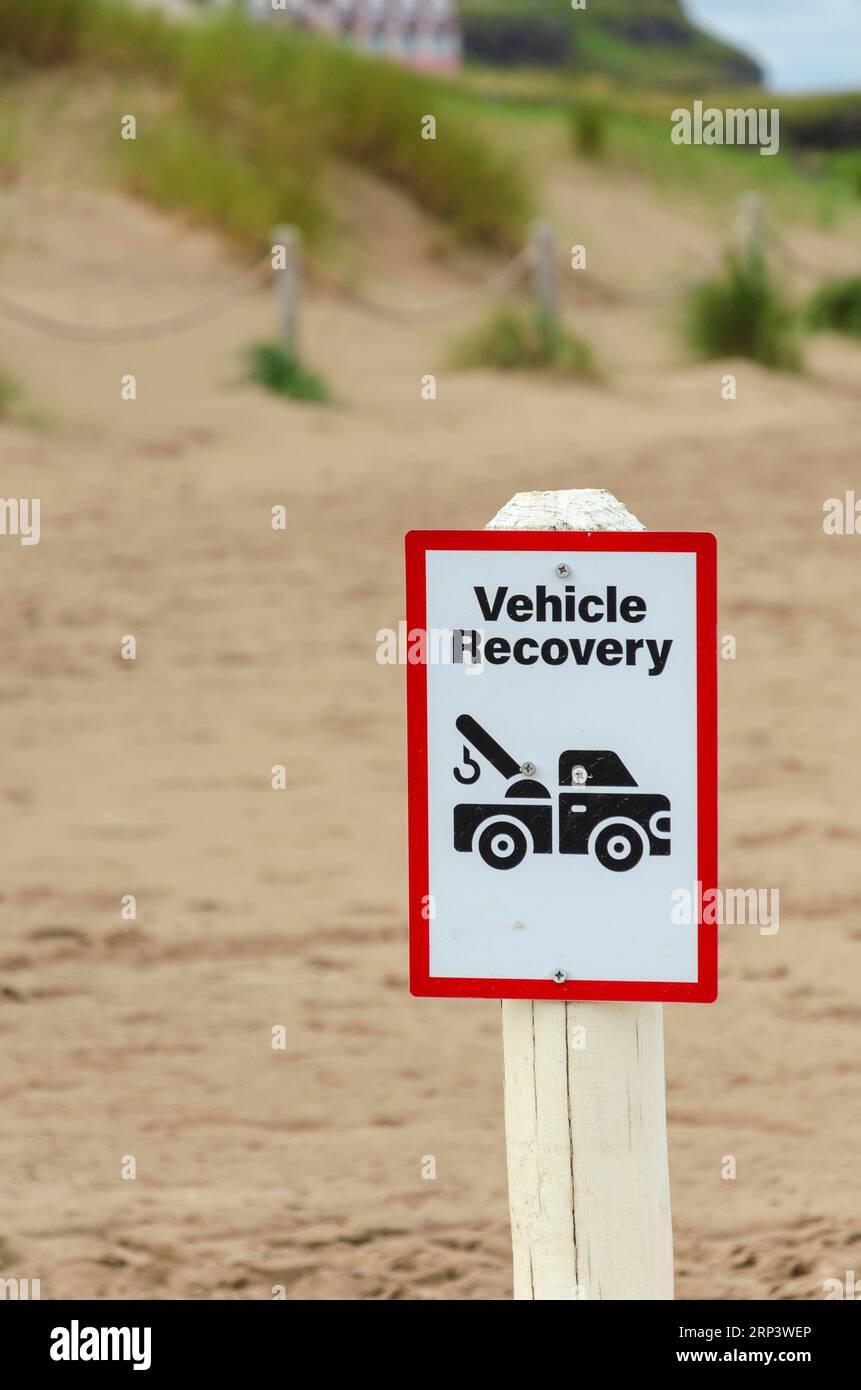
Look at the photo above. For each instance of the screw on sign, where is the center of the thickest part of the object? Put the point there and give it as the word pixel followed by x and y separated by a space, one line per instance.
pixel 553 875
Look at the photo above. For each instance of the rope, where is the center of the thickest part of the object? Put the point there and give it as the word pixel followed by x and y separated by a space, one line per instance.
pixel 501 279
pixel 655 294
pixel 176 323
pixel 799 262
pixel 173 323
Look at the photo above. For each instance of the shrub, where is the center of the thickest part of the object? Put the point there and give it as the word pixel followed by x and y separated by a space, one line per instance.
pixel 270 367
pixel 742 313
pixel 45 31
pixel 179 165
pixel 513 338
pixel 11 397
pixel 588 129
pixel 836 305
pixel 17 407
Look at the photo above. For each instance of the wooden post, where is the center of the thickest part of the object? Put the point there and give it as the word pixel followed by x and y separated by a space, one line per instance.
pixel 544 286
pixel 751 229
pixel 585 1117
pixel 288 285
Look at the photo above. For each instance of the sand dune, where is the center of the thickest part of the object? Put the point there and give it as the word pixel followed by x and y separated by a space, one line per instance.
pixel 302 1167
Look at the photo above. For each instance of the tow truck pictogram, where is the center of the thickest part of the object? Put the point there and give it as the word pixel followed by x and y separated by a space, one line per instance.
pixel 599 816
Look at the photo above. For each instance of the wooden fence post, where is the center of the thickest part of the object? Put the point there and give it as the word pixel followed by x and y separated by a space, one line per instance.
pixel 585 1117
pixel 544 285
pixel 288 286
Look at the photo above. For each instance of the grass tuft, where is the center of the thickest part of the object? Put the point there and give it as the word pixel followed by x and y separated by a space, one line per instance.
pixel 16 406
pixel 47 32
pixel 270 367
pixel 180 165
pixel 513 338
pixel 587 127
pixel 836 306
pixel 742 313
pixel 11 397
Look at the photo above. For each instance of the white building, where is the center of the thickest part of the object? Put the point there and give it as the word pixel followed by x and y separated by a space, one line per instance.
pixel 419 33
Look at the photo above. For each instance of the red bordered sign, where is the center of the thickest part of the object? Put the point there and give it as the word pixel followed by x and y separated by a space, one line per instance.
pixel 562 703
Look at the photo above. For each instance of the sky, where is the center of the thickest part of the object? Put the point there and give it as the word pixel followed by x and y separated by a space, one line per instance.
pixel 803 45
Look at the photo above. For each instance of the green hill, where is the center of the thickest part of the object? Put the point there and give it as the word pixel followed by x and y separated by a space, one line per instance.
pixel 651 42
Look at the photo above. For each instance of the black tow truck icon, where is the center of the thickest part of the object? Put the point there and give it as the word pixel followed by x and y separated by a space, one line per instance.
pixel 599 816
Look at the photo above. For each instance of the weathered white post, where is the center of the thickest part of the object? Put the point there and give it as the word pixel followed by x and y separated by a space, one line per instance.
pixel 585 1118
pixel 288 286
pixel 544 284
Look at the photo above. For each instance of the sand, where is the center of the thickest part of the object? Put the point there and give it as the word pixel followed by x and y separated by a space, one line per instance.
pixel 302 1167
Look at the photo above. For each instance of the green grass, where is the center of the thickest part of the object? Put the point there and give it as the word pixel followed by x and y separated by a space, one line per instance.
pixel 11 397
pixel 178 164
pixel 677 67
pixel 17 408
pixel 743 313
pixel 49 31
pixel 652 42
pixel 587 127
pixel 269 366
pixel 637 140
pixel 513 338
pixel 824 121
pixel 836 306
pixel 843 165
pixel 461 176
pixel 273 106
pixel 522 110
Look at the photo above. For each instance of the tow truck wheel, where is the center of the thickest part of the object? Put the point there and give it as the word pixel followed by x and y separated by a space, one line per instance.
pixel 618 847
pixel 503 844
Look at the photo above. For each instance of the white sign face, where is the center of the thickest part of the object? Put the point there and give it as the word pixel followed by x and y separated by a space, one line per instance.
pixel 562 764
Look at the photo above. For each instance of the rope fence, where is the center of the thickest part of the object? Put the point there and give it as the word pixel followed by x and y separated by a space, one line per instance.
pixel 795 259
pixel 675 288
pixel 499 282
pixel 156 328
pixel 537 262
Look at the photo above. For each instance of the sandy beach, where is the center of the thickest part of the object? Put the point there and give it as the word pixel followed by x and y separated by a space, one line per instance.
pixel 302 1167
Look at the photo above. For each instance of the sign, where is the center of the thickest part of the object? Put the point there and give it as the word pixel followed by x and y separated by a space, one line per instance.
pixel 562 764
